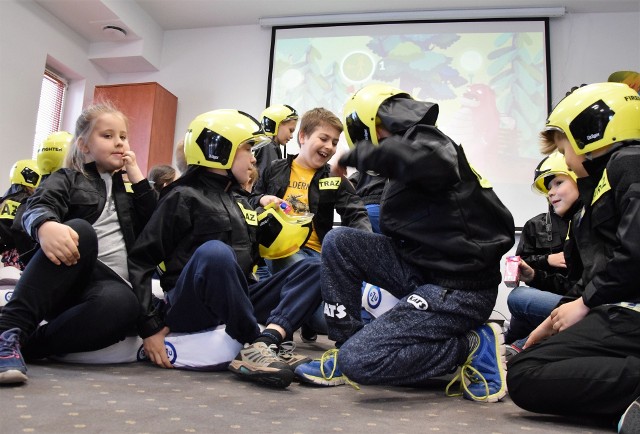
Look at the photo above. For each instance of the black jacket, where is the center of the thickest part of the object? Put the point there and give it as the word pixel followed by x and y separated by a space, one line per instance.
pixel 69 194
pixel 368 186
pixel 542 236
pixel 444 218
pixel 607 230
pixel 322 202
pixel 198 207
pixel 267 154
pixel 11 208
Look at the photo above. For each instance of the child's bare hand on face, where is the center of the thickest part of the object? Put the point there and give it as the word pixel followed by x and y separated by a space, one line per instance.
pixel 59 243
pixel 131 167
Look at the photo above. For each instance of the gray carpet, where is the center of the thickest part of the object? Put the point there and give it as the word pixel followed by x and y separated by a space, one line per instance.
pixel 139 398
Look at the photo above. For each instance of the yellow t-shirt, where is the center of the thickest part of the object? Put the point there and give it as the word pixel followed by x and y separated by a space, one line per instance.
pixel 297 195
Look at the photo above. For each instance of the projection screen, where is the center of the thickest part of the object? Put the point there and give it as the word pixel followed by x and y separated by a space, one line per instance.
pixel 490 79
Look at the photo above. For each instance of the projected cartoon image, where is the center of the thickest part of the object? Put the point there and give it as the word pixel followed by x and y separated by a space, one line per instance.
pixel 491 85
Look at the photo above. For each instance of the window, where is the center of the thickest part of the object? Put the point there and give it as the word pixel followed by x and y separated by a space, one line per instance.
pixel 50 108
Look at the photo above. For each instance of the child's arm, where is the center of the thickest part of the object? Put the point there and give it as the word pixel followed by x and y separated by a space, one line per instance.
pixel 429 160
pixel 351 207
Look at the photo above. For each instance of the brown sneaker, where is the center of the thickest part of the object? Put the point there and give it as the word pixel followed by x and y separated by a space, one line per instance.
pixel 286 354
pixel 259 362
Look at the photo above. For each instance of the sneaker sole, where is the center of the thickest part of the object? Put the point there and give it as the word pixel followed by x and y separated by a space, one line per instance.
pixel 279 378
pixel 500 351
pixel 13 376
pixel 319 381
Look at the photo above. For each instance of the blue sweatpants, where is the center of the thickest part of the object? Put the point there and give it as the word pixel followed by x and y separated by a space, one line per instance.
pixel 422 337
pixel 212 290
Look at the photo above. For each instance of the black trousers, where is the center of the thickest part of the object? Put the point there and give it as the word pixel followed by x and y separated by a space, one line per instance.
pixel 87 305
pixel 591 368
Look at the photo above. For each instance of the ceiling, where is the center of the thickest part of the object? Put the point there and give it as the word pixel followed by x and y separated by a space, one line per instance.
pixel 148 19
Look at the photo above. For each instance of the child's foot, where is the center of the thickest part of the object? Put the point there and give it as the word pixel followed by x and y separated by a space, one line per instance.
pixel 308 334
pixel 483 375
pixel 323 371
pixel 259 362
pixel 630 420
pixel 12 367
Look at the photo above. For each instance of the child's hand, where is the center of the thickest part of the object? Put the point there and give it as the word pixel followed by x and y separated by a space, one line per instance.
pixel 267 199
pixel 156 351
pixel 59 243
pixel 568 314
pixel 544 330
pixel 557 260
pixel 131 167
pixel 526 272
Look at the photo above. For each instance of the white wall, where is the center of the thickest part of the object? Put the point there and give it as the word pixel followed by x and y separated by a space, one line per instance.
pixel 28 34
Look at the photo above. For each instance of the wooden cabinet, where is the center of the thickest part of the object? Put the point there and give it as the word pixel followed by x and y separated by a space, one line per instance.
pixel 151 110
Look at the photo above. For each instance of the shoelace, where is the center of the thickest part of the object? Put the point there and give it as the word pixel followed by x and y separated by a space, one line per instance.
pixel 328 355
pixel 473 375
pixel 8 345
pixel 286 350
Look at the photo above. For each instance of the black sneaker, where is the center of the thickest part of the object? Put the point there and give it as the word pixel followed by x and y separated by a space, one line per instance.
pixel 307 334
pixel 12 367
pixel 259 362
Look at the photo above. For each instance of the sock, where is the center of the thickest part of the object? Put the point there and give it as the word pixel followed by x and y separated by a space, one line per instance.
pixel 269 337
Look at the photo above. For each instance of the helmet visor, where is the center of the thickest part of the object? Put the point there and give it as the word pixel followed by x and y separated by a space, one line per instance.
pixel 215 147
pixel 356 129
pixel 590 125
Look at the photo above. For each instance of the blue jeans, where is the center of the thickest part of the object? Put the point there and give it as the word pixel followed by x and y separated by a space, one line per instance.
pixel 373 210
pixel 316 321
pixel 528 307
pixel 422 337
pixel 212 290
pixel 276 265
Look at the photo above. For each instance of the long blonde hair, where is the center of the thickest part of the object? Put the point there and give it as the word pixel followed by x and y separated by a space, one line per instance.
pixel 84 127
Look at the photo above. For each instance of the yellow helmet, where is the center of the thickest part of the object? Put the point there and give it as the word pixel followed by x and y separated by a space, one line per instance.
pixel 25 172
pixel 361 110
pixel 280 234
pixel 552 165
pixel 597 115
pixel 274 115
pixel 213 137
pixel 51 152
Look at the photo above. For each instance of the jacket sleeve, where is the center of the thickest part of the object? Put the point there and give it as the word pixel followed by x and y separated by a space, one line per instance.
pixel 618 281
pixel 48 203
pixel 351 208
pixel 153 246
pixel 145 200
pixel 527 247
pixel 425 157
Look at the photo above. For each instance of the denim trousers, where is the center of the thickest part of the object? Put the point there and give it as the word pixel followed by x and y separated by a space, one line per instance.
pixel 212 290
pixel 528 307
pixel 423 336
pixel 316 321
pixel 591 368
pixel 87 305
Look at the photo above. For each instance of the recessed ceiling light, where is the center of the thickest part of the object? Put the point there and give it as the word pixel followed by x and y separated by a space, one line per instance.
pixel 115 32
